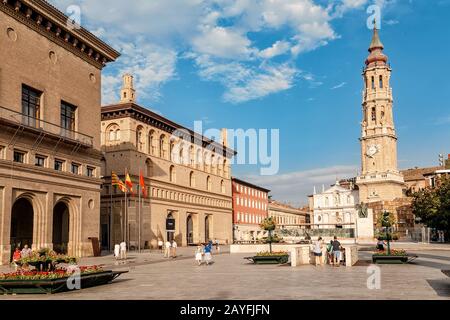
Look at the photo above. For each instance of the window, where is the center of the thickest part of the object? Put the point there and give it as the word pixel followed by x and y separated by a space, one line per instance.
pixel 162 146
pixel 68 116
pixel 208 184
pixel 31 104
pixel 151 144
pixel 192 179
pixel 19 156
pixel 90 171
pixel 59 165
pixel 39 161
pixel 222 186
pixel 2 152
pixel 373 83
pixel 75 168
pixel 173 176
pixel 374 114
pixel 381 82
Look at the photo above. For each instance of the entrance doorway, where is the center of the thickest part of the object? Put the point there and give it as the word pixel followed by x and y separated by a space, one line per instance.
pixel 207 236
pixel 190 230
pixel 60 228
pixel 22 217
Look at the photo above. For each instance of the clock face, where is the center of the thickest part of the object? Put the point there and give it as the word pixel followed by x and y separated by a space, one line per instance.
pixel 372 150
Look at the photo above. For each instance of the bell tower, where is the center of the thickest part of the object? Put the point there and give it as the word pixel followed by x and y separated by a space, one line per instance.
pixel 127 94
pixel 380 179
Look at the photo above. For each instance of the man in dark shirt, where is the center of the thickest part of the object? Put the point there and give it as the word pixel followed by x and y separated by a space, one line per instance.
pixel 336 252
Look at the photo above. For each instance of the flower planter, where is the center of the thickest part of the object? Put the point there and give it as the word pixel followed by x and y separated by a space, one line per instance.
pixel 275 259
pixel 52 286
pixel 392 259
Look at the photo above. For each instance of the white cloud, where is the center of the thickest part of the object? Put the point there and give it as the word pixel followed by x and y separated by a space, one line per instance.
pixel 278 48
pixel 152 34
pixel 294 187
pixel 342 84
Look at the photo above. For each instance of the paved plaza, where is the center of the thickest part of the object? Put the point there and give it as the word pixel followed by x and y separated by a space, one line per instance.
pixel 232 277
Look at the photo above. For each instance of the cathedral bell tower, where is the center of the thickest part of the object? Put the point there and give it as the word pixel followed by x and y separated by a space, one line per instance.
pixel 127 94
pixel 380 179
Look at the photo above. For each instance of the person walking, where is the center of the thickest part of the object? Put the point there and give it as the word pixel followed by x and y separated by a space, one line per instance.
pixel 208 256
pixel 199 254
pixel 167 249
pixel 117 251
pixel 336 252
pixel 330 253
pixel 123 250
pixel 317 250
pixel 174 249
pixel 217 244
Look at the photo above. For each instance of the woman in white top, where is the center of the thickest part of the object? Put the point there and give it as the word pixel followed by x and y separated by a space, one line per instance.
pixel 167 249
pixel 317 250
pixel 174 249
pixel 117 251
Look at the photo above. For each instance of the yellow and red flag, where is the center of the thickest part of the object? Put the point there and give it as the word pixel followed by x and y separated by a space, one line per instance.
pixel 129 183
pixel 115 181
pixel 142 185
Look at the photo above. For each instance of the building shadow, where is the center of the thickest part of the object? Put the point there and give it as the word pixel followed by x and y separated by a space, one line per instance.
pixel 442 287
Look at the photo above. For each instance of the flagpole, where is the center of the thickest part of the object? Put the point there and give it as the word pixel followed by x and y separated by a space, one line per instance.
pixel 139 228
pixel 111 221
pixel 125 217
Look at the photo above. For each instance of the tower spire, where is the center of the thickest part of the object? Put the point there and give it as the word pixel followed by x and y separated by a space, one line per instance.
pixel 376 42
pixel 376 56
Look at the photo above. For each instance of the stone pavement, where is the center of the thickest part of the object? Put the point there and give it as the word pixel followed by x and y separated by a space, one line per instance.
pixel 232 277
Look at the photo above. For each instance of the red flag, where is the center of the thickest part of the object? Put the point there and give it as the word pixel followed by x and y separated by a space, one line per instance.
pixel 142 184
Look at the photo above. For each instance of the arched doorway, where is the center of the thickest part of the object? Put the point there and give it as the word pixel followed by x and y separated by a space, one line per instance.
pixel 190 230
pixel 60 228
pixel 170 227
pixel 22 218
pixel 207 238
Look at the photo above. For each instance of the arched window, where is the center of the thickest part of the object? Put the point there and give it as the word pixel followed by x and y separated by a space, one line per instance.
pixel 199 160
pixel 172 173
pixel 207 159
pixel 374 114
pixel 208 183
pixel 192 179
pixel 192 156
pixel 113 133
pixel 172 150
pixel 381 82
pixel 139 139
pixel 327 202
pixel 226 173
pixel 162 146
pixel 222 187
pixel 373 83
pixel 219 167
pixel 181 156
pixel 149 165
pixel 151 143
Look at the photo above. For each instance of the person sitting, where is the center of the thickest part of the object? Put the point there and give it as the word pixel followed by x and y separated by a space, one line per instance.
pixel 16 257
pixel 380 244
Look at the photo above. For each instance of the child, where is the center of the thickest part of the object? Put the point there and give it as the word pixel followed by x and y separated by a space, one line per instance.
pixel 199 255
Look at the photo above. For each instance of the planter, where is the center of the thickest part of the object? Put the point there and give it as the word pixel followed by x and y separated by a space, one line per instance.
pixel 392 259
pixel 56 285
pixel 276 259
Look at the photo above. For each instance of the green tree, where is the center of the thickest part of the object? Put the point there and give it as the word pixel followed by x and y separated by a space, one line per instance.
pixel 432 206
pixel 269 225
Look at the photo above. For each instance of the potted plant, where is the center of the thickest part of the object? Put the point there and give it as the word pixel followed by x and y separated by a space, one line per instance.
pixel 270 257
pixel 387 221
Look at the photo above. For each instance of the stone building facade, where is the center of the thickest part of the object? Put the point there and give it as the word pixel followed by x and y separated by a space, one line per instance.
pixel 250 208
pixel 287 216
pixel 187 176
pixel 50 159
pixel 334 207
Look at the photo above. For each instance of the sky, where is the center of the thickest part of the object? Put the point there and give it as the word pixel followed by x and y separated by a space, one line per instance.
pixel 291 65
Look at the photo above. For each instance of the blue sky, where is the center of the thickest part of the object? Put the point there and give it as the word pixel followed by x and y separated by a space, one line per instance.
pixel 292 65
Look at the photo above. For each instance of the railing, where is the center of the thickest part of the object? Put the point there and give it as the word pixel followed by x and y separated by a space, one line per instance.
pixel 44 126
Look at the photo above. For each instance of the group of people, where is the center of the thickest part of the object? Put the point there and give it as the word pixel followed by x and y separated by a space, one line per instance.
pixel 20 254
pixel 120 251
pixel 204 253
pixel 331 253
pixel 169 248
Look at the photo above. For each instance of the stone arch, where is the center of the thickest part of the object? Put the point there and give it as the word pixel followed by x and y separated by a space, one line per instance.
pixel 22 223
pixel 112 133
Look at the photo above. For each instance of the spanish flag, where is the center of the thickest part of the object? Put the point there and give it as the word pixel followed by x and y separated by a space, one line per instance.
pixel 129 183
pixel 115 181
pixel 142 184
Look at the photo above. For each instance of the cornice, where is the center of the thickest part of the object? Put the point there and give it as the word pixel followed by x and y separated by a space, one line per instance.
pixel 46 20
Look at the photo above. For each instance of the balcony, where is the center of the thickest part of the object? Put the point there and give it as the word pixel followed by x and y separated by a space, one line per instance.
pixel 43 128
